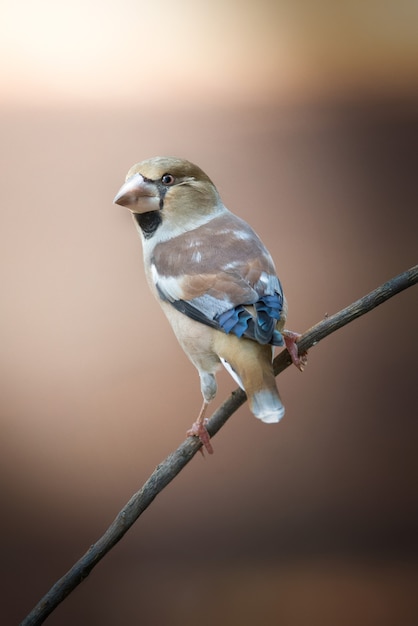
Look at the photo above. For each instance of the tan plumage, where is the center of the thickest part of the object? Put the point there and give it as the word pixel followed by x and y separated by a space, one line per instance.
pixel 214 279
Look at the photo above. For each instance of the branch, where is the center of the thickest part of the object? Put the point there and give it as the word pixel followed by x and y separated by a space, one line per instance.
pixel 176 461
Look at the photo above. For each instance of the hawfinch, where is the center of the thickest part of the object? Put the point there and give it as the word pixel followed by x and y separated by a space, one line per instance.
pixel 214 280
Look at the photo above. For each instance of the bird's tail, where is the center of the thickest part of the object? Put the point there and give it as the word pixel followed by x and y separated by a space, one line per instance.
pixel 266 406
pixel 256 378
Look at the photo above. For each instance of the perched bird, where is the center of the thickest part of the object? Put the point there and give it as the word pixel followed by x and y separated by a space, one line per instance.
pixel 215 280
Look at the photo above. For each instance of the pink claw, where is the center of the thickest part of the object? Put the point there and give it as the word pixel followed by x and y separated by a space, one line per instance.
pixel 290 338
pixel 198 429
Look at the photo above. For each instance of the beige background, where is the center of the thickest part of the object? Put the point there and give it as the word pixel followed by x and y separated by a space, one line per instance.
pixel 306 119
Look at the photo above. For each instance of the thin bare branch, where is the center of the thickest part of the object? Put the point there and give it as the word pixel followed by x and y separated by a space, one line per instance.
pixel 176 461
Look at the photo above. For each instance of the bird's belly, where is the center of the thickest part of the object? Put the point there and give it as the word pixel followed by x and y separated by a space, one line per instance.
pixel 195 338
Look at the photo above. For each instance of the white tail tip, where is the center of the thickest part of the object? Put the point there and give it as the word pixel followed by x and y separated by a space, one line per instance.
pixel 267 407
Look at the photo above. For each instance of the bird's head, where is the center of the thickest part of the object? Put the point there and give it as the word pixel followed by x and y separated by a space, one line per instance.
pixel 170 190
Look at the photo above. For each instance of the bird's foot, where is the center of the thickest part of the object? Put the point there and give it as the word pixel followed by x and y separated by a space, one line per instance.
pixel 298 359
pixel 199 429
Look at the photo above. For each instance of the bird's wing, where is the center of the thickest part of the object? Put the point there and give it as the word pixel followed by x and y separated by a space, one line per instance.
pixel 222 278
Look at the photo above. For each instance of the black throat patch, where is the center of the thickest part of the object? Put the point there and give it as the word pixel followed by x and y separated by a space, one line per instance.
pixel 148 222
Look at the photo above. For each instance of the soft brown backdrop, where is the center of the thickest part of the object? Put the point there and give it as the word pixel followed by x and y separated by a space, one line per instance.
pixel 312 521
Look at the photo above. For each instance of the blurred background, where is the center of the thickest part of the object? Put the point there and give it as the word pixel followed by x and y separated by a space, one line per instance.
pixel 305 116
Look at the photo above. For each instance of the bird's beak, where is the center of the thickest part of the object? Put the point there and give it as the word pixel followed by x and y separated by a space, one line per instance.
pixel 138 195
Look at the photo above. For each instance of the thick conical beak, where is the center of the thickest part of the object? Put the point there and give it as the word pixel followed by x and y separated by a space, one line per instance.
pixel 138 195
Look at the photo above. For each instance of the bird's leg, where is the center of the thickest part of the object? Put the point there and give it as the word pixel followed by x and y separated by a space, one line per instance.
pixel 198 429
pixel 290 338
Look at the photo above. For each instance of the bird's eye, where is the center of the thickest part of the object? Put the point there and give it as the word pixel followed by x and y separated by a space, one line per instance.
pixel 167 179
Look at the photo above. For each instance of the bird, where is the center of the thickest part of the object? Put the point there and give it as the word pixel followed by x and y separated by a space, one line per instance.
pixel 215 281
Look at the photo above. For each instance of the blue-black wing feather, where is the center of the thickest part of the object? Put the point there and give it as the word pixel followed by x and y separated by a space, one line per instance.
pixel 238 320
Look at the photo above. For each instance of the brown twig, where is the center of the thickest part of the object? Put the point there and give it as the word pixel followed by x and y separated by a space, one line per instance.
pixel 176 461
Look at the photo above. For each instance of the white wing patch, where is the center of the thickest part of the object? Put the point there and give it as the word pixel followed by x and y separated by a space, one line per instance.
pixel 170 286
pixel 243 235
pixel 232 372
pixel 196 256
